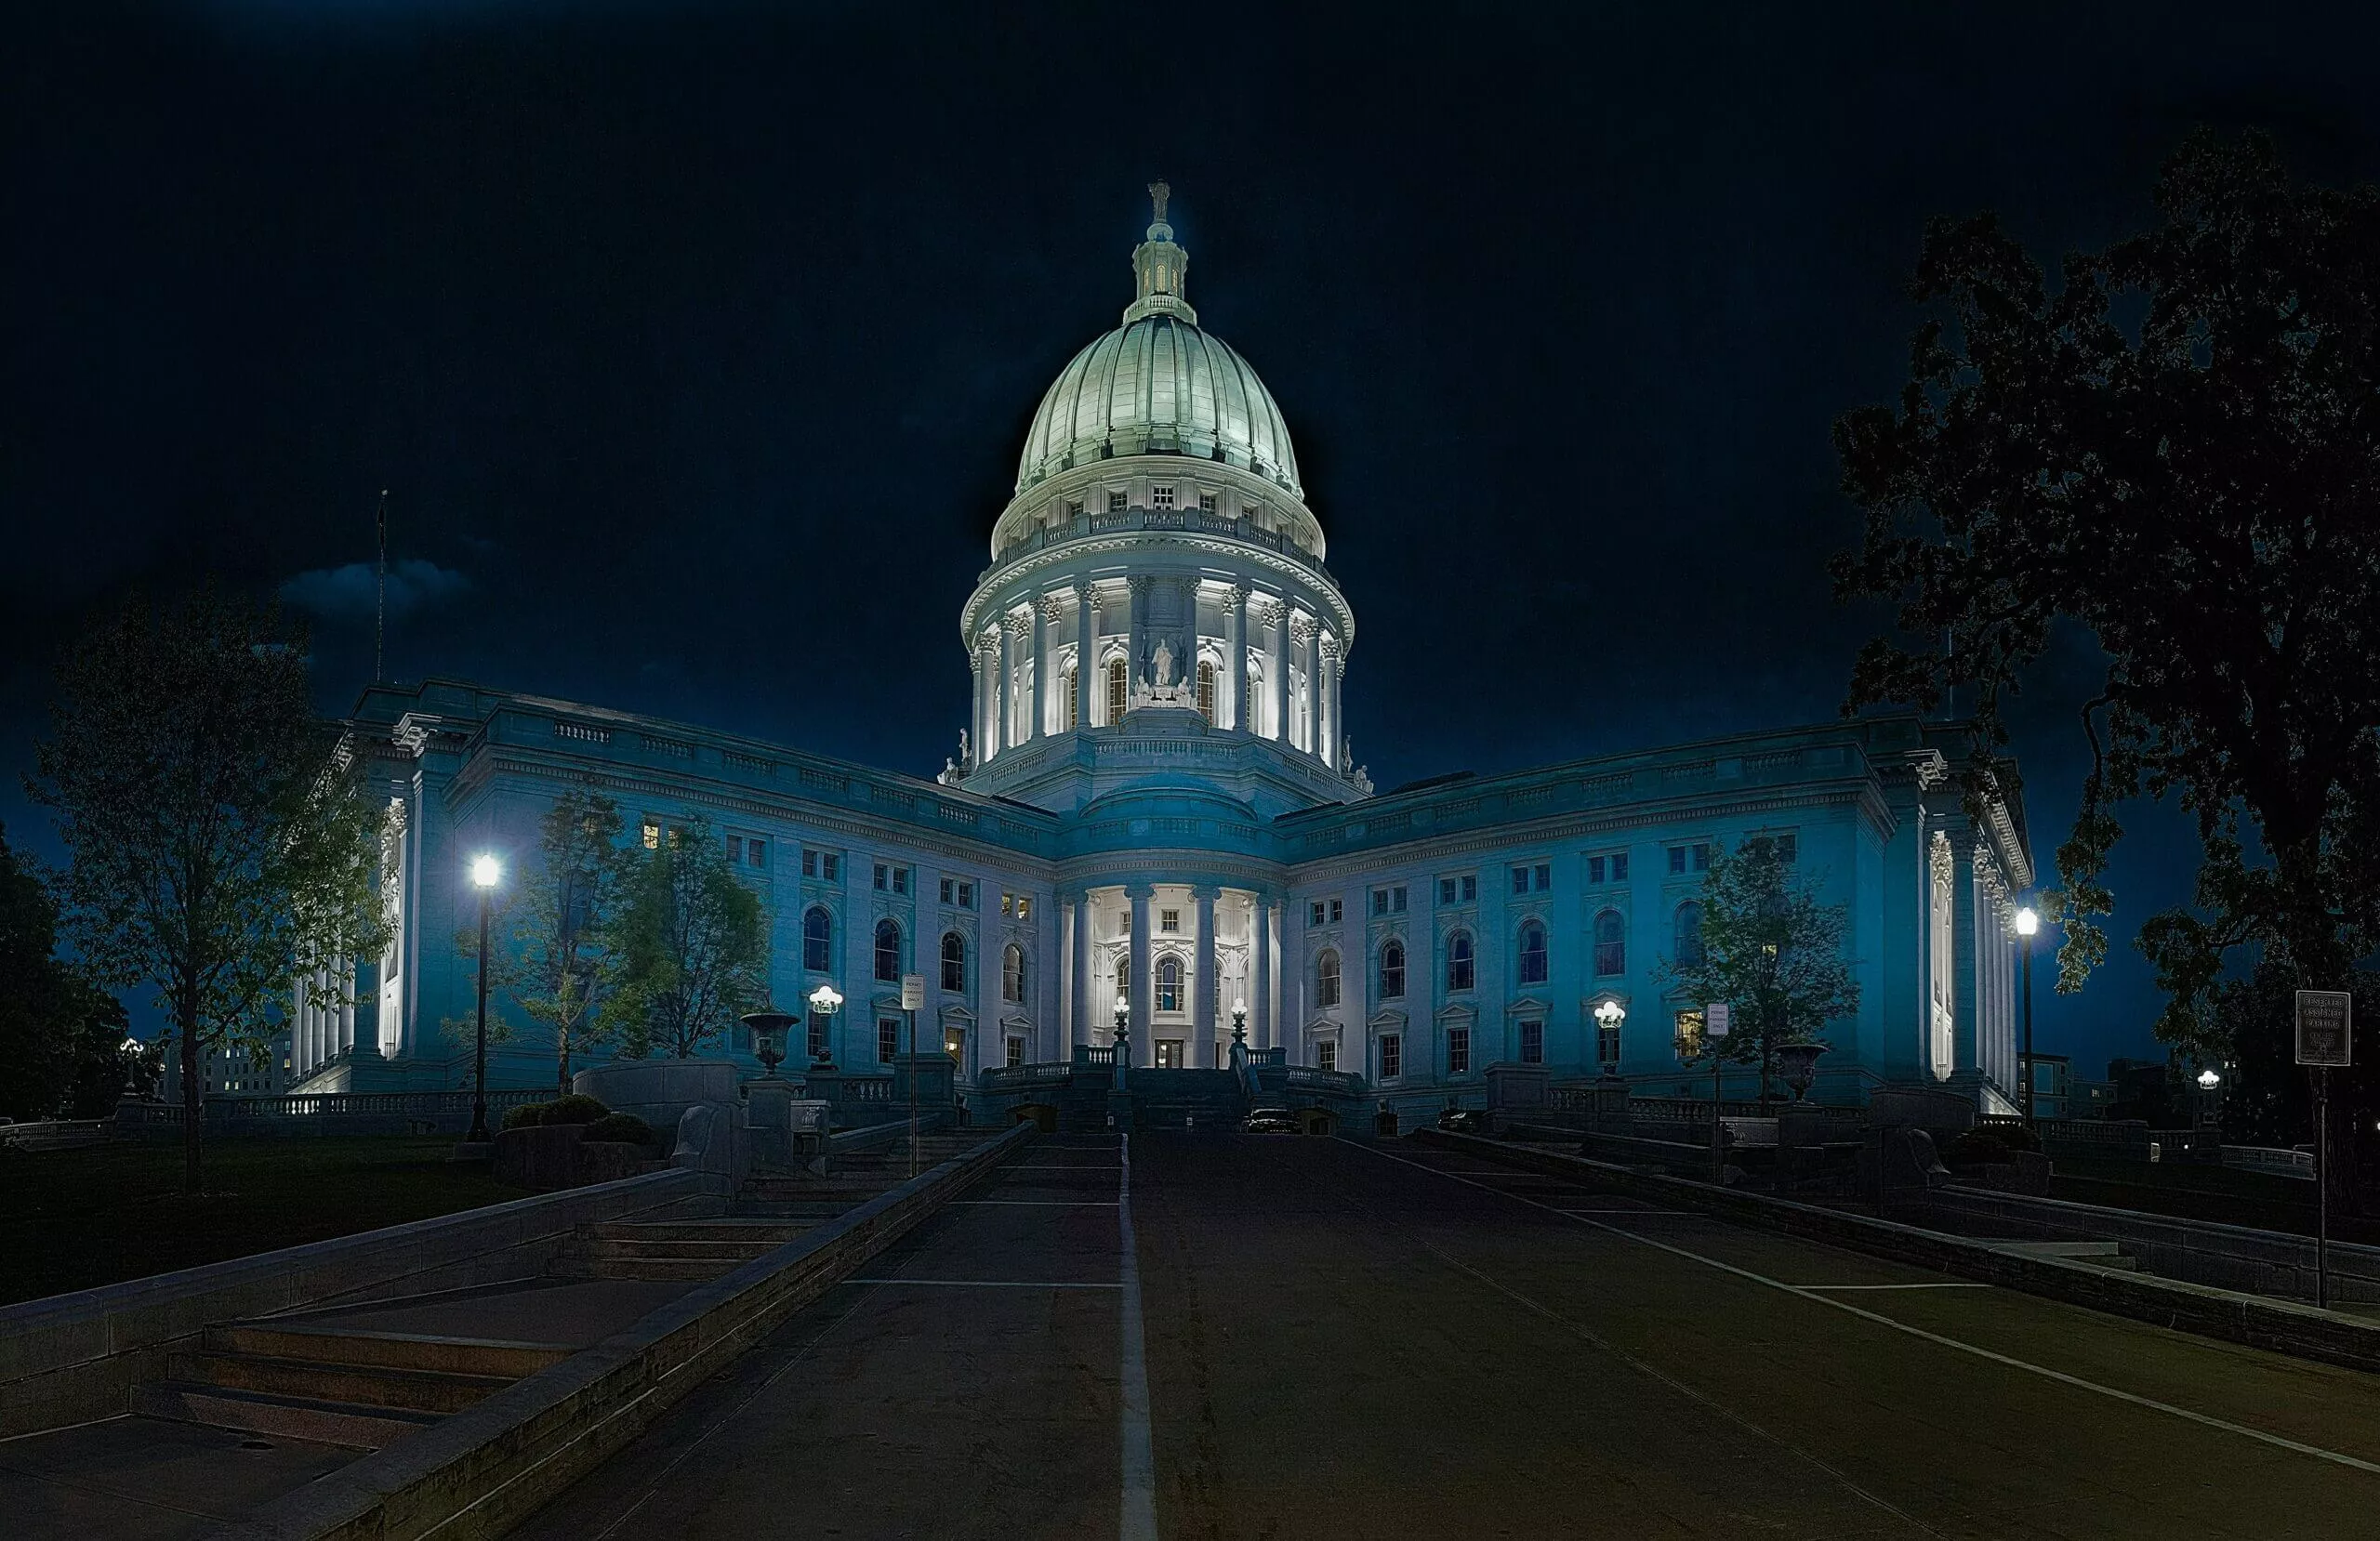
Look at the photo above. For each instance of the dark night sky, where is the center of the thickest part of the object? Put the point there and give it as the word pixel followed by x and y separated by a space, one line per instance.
pixel 697 341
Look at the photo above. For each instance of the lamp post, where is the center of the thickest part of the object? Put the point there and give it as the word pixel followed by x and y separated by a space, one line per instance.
pixel 487 871
pixel 825 1001
pixel 2208 1080
pixel 2028 920
pixel 1239 1032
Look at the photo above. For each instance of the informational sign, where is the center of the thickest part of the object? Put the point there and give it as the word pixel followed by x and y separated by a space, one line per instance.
pixel 1715 1020
pixel 913 992
pixel 2325 1027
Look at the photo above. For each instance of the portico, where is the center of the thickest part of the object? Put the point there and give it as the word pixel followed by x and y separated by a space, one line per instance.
pixel 1182 956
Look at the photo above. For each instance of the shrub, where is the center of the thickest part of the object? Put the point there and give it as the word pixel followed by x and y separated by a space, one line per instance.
pixel 528 1115
pixel 624 1128
pixel 574 1108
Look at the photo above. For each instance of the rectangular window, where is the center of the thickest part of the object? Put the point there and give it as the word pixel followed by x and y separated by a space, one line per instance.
pixel 900 879
pixel 1380 901
pixel 1336 910
pixel 759 851
pixel 652 835
pixel 1683 859
pixel 1787 847
pixel 1008 903
pixel 1532 1043
pixel 1520 879
pixel 883 878
pixel 1160 497
pixel 1392 1056
pixel 1688 1034
pixel 1024 906
pixel 1541 877
pixel 1595 869
pixel 1619 867
pixel 1325 1055
pixel 1608 1043
pixel 1469 888
pixel 887 1039
pixel 1016 1051
pixel 1458 1051
pixel 818 1021
pixel 1170 921
pixel 735 851
pixel 1074 508
pixel 947 886
pixel 1206 503
pixel 1115 502
pixel 1446 891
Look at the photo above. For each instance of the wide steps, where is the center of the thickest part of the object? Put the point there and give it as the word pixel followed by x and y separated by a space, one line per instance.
pixel 670 1251
pixel 690 1231
pixel 437 1391
pixel 693 1271
pixel 354 1426
pixel 469 1356
pixel 2097 1254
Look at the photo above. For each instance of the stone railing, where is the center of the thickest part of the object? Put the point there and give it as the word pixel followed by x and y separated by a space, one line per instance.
pixel 1337 1083
pixel 1094 1054
pixel 1017 1077
pixel 2267 1158
pixel 303 1111
pixel 1265 1057
pixel 1188 520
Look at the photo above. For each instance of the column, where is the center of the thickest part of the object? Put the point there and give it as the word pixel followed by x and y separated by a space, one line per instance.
pixel 1233 714
pixel 1085 655
pixel 1276 665
pixel 1264 1020
pixel 1326 665
pixel 1045 615
pixel 1079 966
pixel 975 721
pixel 1136 623
pixel 1143 982
pixel 987 735
pixel 1207 1013
pixel 1005 692
pixel 1302 649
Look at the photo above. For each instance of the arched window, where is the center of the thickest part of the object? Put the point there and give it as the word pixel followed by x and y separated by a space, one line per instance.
pixel 1255 700
pixel 1168 984
pixel 887 950
pixel 1117 680
pixel 1687 945
pixel 1012 973
pixel 818 938
pixel 1532 954
pixel 1611 945
pixel 1325 980
pixel 1123 979
pixel 1073 706
pixel 1207 692
pixel 1461 967
pixel 954 961
pixel 1392 972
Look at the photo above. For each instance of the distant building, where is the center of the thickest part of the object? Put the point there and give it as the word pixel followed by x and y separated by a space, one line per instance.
pixel 1155 804
pixel 230 1073
pixel 2051 1075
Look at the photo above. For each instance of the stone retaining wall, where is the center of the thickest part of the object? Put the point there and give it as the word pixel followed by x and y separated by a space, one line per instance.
pixel 481 1471
pixel 2282 1326
pixel 71 1358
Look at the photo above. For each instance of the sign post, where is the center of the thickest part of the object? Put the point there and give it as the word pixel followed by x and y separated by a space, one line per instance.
pixel 913 997
pixel 2325 1037
pixel 1714 1031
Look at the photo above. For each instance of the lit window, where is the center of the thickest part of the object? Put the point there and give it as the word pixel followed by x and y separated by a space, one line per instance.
pixel 817 939
pixel 1392 972
pixel 1117 682
pixel 1170 921
pixel 1168 984
pixel 1024 906
pixel 1688 1034
pixel 1160 497
pixel 1008 903
pixel 1392 1056
pixel 1611 945
pixel 954 961
pixel 1012 974
pixel 1325 1055
pixel 887 950
pixel 1458 1051
pixel 1207 692
pixel 1074 706
pixel 1461 967
pixel 652 835
pixel 1532 1043
pixel 1325 980
pixel 1532 954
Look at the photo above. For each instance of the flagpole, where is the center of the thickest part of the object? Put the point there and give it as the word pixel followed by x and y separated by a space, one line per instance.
pixel 380 606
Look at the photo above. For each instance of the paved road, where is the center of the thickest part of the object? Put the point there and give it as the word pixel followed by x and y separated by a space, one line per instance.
pixel 1347 1340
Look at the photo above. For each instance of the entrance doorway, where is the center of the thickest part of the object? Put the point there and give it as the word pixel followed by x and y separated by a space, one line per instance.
pixel 1168 1054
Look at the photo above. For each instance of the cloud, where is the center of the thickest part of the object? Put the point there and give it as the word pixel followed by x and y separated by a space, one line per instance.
pixel 349 593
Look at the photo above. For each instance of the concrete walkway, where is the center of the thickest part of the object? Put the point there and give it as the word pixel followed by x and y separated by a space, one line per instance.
pixel 1348 1339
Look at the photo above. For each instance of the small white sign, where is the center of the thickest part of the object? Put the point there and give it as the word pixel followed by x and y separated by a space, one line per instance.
pixel 2325 1027
pixel 1715 1020
pixel 913 992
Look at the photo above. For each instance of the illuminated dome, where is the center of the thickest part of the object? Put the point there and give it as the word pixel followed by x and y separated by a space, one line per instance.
pixel 1157 385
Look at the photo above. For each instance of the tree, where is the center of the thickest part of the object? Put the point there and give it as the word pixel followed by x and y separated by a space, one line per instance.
pixel 61 1038
pixel 2200 493
pixel 556 966
pixel 1771 952
pixel 222 850
pixel 691 948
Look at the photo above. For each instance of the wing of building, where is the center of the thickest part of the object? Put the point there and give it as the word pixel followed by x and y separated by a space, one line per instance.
pixel 1154 799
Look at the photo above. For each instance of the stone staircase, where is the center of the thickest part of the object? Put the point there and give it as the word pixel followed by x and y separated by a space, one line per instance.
pixel 689 1251
pixel 1193 1098
pixel 359 1390
pixel 2096 1253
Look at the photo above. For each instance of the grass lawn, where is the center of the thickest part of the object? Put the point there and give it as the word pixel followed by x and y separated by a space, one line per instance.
pixel 70 1219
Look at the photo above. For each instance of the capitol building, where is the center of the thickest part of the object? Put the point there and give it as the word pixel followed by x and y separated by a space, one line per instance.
pixel 1155 798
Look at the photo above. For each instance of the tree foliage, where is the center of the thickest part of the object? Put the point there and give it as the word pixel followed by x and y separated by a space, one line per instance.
pixel 690 950
pixel 557 963
pixel 1771 951
pixel 220 850
pixel 2199 491
pixel 61 1039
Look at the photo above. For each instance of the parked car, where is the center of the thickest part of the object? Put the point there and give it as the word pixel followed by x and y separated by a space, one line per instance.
pixel 1270 1121
pixel 1464 1121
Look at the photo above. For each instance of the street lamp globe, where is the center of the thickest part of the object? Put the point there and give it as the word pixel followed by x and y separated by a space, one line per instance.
pixel 2208 1079
pixel 485 870
pixel 2028 921
pixel 1610 1013
pixel 826 1000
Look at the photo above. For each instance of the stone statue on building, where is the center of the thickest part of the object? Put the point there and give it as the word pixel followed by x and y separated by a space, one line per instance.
pixel 1161 665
